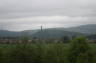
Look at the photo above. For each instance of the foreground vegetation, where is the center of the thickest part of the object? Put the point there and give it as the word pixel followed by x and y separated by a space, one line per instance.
pixel 77 51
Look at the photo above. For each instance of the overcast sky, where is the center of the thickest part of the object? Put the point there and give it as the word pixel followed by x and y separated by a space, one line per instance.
pixel 17 15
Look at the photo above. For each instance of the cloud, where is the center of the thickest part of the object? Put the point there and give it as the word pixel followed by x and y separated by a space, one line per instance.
pixel 24 14
pixel 27 8
pixel 46 21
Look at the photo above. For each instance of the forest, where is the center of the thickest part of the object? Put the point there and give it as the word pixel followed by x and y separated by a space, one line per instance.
pixel 77 50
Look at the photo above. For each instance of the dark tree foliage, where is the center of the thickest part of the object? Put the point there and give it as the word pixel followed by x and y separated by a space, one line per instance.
pixel 1 56
pixel 66 39
pixel 78 49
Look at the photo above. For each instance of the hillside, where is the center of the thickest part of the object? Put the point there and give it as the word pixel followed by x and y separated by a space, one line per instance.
pixel 6 33
pixel 86 29
pixel 54 33
pixel 29 32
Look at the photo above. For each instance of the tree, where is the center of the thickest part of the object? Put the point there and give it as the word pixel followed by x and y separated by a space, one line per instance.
pixel 78 46
pixel 1 55
pixel 65 39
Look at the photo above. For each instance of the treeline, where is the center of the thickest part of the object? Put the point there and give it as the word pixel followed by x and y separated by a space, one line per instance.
pixel 77 51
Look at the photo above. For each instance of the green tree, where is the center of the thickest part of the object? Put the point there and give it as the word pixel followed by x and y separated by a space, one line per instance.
pixel 78 46
pixel 65 39
pixel 1 55
pixel 85 58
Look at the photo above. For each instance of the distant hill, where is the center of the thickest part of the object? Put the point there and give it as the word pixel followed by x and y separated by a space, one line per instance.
pixel 86 29
pixel 53 32
pixel 6 33
pixel 28 32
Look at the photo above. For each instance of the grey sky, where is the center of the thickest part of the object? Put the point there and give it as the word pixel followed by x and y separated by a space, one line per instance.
pixel 31 14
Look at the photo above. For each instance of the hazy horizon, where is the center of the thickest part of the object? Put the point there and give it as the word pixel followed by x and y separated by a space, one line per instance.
pixel 39 28
pixel 18 15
